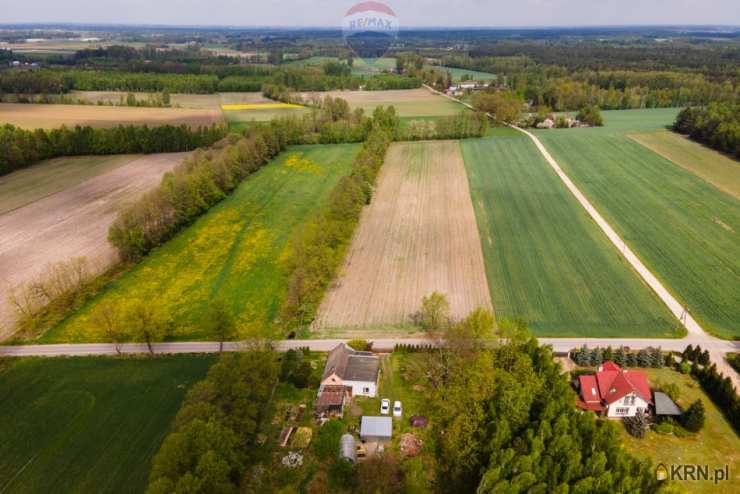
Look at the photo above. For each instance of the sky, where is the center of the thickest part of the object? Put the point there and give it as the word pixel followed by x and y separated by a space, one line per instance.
pixel 411 13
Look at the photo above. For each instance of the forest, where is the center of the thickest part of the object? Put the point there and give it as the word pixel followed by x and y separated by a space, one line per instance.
pixel 716 125
pixel 20 148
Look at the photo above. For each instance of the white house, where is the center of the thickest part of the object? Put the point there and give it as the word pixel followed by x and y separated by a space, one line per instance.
pixel 614 391
pixel 357 371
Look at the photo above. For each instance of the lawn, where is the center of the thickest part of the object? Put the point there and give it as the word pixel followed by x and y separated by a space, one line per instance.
pixel 684 229
pixel 716 168
pixel 237 250
pixel 88 424
pixel 546 261
pixel 458 74
pixel 716 445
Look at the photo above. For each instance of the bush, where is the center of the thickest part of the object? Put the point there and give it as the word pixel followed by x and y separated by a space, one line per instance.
pixel 326 443
pixel 637 426
pixel 672 390
pixel 361 345
pixel 684 367
pixel 664 428
pixel 590 115
pixel 693 418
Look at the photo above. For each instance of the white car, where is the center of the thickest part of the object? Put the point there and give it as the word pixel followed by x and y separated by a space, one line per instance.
pixel 397 409
pixel 385 406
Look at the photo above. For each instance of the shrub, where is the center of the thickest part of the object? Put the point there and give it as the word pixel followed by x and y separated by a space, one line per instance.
pixel 590 115
pixel 326 443
pixel 361 345
pixel 672 390
pixel 664 428
pixel 684 367
pixel 637 426
pixel 693 418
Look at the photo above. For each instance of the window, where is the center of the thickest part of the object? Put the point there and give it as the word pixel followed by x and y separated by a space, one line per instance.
pixel 622 411
pixel 629 400
pixel 366 390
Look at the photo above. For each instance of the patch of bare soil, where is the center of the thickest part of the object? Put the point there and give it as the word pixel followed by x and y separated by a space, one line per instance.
pixel 71 223
pixel 419 235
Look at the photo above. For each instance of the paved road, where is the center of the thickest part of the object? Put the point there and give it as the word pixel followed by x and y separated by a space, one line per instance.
pixel 560 345
pixel 696 335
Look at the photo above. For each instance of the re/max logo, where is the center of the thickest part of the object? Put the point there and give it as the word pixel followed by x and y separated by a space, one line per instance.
pixel 693 472
pixel 371 22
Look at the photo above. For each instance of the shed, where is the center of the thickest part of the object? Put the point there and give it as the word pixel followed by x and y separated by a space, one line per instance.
pixel 348 448
pixel 376 428
pixel 664 405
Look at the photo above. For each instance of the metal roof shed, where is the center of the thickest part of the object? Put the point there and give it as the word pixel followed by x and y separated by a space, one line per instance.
pixel 376 428
pixel 664 405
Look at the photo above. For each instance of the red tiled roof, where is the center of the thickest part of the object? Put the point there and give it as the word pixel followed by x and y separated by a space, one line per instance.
pixel 615 384
pixel 596 407
pixel 589 389
pixel 609 366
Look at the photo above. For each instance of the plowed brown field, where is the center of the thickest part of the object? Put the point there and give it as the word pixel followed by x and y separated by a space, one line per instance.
pixel 73 222
pixel 30 116
pixel 418 235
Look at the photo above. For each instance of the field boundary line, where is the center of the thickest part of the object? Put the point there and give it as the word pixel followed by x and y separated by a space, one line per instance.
pixel 676 308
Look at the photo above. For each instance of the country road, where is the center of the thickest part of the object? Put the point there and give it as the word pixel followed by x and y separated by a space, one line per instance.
pixel 717 348
pixel 696 335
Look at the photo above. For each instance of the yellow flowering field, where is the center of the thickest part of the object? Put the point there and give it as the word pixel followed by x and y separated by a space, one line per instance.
pixel 237 251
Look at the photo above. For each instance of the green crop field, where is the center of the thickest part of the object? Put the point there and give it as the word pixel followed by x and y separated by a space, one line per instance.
pixel 237 250
pixel 546 261
pixel 684 229
pixel 360 66
pixel 716 168
pixel 458 74
pixel 87 424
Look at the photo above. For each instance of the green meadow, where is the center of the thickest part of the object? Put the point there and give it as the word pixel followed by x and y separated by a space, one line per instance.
pixel 236 251
pixel 88 424
pixel 546 261
pixel 683 228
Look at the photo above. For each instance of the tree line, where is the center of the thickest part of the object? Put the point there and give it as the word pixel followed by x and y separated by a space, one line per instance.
pixel 502 418
pixel 53 81
pixel 20 147
pixel 718 386
pixel 216 433
pixel 716 125
pixel 207 176
pixel 319 248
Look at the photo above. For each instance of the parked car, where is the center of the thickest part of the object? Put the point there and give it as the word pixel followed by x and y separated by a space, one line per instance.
pixel 385 406
pixel 397 409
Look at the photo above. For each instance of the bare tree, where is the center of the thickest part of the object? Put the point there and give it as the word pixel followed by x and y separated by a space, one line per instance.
pixel 110 319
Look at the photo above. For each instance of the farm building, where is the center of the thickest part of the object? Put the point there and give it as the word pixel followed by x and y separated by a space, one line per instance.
pixel 356 371
pixel 376 429
pixel 331 400
pixel 664 405
pixel 615 392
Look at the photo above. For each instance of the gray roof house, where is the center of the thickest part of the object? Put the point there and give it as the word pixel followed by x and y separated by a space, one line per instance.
pixel 355 370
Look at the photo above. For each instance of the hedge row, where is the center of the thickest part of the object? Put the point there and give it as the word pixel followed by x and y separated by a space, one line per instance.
pixel 20 148
pixel 319 249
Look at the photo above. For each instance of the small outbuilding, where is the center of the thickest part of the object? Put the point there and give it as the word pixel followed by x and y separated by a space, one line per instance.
pixel 348 448
pixel 664 405
pixel 376 429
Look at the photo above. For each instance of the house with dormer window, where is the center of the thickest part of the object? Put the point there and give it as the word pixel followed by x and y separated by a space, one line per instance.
pixel 615 392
